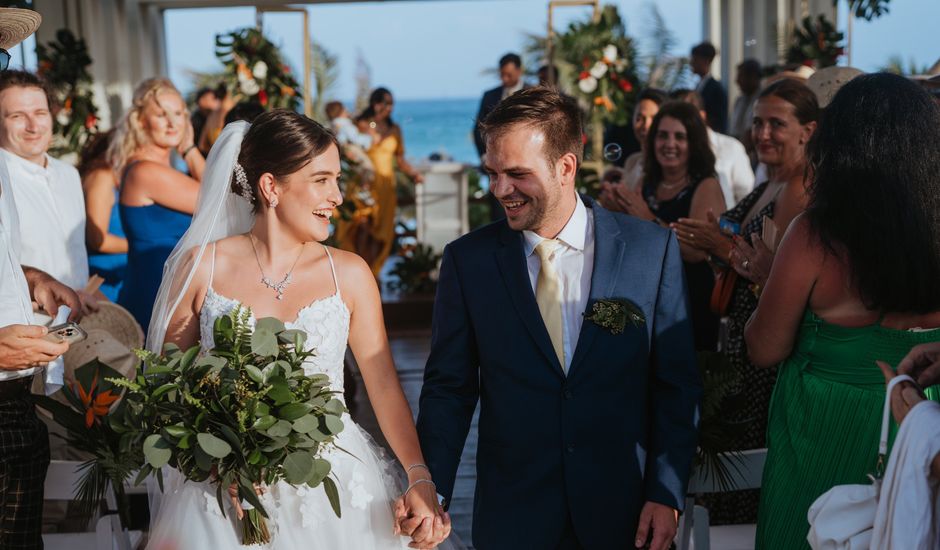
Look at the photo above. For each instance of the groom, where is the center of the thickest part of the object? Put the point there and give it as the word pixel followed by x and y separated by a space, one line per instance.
pixel 587 422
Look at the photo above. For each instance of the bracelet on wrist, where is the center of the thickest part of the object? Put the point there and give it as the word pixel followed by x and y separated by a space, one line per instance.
pixel 416 466
pixel 417 482
pixel 187 151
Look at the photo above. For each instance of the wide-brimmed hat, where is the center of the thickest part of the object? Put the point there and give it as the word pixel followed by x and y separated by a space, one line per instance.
pixel 113 334
pixel 16 25
pixel 826 82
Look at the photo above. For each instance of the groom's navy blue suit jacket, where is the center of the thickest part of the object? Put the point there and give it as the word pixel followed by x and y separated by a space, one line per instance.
pixel 620 429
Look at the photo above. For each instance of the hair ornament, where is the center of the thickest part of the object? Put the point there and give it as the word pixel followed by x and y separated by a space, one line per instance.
pixel 241 181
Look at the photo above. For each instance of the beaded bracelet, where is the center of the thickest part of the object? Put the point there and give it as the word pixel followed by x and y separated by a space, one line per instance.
pixel 416 483
pixel 413 466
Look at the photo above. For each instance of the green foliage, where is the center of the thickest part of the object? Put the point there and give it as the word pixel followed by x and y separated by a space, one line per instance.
pixel 255 70
pixel 416 271
pixel 244 413
pixel 659 68
pixel 63 64
pixel 816 43
pixel 720 421
pixel 867 9
pixel 325 67
pixel 896 65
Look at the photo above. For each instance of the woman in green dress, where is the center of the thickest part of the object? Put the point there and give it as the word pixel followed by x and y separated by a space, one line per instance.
pixel 855 280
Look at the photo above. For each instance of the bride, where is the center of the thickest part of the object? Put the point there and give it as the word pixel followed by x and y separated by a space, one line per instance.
pixel 267 196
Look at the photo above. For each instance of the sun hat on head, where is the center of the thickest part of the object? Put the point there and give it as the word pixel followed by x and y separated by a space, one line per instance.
pixel 826 82
pixel 16 25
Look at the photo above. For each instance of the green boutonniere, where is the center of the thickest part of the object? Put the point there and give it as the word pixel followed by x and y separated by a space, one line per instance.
pixel 615 314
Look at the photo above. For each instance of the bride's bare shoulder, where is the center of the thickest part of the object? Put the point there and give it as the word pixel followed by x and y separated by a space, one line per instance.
pixel 351 270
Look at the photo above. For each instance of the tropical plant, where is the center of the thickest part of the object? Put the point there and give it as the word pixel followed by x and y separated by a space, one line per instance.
pixel 896 65
pixel 363 82
pixel 867 9
pixel 659 68
pixel 325 67
pixel 63 64
pixel 416 270
pixel 816 43
pixel 255 69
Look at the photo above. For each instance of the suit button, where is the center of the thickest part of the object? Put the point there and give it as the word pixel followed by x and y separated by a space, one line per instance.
pixel 570 448
pixel 567 394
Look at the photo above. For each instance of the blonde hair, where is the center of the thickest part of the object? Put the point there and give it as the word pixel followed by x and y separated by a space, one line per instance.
pixel 130 134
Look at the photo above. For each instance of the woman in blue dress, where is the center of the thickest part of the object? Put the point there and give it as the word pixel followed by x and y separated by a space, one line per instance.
pixel 156 200
pixel 104 235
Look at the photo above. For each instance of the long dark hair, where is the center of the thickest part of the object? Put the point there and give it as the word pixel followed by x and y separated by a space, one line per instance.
pixel 280 142
pixel 94 155
pixel 701 158
pixel 875 196
pixel 377 96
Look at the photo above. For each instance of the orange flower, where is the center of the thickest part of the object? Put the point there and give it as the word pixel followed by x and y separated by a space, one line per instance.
pixel 96 405
pixel 287 91
pixel 68 104
pixel 605 102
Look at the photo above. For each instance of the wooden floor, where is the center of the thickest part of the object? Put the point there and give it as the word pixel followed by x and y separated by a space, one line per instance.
pixel 410 350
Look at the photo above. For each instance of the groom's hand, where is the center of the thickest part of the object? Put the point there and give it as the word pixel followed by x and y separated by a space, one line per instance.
pixel 426 531
pixel 662 521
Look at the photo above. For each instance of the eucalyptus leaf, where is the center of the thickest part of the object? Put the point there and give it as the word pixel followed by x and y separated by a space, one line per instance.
pixel 270 324
pixel 264 423
pixel 213 446
pixel 280 392
pixel 293 411
pixel 333 424
pixel 336 407
pixel 254 373
pixel 298 467
pixel 157 451
pixel 262 409
pixel 333 494
pixel 281 428
pixel 306 423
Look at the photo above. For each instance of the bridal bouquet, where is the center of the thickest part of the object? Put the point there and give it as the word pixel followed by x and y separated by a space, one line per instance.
pixel 243 414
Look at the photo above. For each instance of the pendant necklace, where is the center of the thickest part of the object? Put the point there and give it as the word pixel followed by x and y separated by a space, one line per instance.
pixel 278 287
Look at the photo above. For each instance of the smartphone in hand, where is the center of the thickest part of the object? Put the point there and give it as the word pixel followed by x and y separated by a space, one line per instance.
pixel 66 332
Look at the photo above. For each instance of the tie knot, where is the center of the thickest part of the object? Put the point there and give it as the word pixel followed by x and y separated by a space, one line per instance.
pixel 546 249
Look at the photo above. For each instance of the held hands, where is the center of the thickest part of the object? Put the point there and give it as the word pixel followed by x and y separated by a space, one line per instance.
pixel 418 515
pixel 658 525
pixel 23 347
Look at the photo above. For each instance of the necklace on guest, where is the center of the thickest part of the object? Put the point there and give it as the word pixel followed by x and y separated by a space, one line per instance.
pixel 278 287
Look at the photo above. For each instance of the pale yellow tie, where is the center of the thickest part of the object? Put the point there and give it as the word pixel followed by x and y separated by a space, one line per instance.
pixel 548 297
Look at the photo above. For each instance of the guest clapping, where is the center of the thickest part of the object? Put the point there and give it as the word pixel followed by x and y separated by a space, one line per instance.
pixel 854 281
pixel 156 200
pixel 784 121
pixel 619 182
pixel 679 182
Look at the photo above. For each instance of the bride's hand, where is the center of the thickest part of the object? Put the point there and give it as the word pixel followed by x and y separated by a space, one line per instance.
pixel 418 515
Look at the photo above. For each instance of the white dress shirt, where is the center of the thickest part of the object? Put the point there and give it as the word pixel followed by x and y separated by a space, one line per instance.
pixel 574 262
pixel 732 166
pixel 742 115
pixel 513 89
pixel 15 306
pixel 51 209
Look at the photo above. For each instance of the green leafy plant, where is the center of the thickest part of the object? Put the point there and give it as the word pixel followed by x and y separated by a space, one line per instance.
pixel 85 416
pixel 816 43
pixel 416 271
pixel 63 64
pixel 867 9
pixel 243 414
pixel 255 69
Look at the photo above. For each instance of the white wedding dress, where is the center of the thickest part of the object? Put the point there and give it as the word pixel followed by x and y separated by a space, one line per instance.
pixel 300 518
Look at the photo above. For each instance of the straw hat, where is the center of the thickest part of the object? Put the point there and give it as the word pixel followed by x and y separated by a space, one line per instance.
pixel 16 25
pixel 113 334
pixel 826 82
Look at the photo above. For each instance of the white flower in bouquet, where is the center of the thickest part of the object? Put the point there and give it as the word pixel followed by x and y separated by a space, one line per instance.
pixel 249 87
pixel 588 85
pixel 260 70
pixel 610 53
pixel 62 117
pixel 599 69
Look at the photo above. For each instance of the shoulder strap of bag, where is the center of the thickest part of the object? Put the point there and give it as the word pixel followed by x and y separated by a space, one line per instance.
pixel 886 422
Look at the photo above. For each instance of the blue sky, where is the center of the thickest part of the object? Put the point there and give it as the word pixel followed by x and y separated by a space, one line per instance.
pixel 442 49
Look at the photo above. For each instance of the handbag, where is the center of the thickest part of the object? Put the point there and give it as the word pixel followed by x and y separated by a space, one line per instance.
pixel 843 517
pixel 723 291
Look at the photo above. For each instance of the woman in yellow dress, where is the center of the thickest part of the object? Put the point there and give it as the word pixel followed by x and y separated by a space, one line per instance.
pixel 371 231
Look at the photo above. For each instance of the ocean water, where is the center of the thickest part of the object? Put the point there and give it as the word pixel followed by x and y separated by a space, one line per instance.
pixel 438 126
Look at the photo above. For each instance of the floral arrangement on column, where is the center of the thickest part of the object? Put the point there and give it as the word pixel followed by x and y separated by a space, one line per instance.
pixel 816 43
pixel 605 56
pixel 63 65
pixel 255 69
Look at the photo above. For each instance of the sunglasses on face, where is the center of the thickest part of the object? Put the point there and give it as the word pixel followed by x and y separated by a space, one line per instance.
pixel 4 59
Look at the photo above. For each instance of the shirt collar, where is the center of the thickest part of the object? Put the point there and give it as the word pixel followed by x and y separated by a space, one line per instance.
pixel 509 91
pixel 31 168
pixel 573 235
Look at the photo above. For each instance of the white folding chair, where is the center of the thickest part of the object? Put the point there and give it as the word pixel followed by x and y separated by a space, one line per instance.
pixel 61 481
pixel 694 530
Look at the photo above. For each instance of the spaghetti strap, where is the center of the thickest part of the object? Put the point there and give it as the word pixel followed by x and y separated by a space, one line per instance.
pixel 333 269
pixel 212 266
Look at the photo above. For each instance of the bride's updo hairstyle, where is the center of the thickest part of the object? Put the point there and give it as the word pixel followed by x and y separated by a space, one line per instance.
pixel 279 142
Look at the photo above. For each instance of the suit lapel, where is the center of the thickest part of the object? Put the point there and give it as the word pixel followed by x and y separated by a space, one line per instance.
pixel 512 265
pixel 608 257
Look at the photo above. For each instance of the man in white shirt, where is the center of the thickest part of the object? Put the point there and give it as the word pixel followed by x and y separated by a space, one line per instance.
pixel 47 192
pixel 24 450
pixel 731 162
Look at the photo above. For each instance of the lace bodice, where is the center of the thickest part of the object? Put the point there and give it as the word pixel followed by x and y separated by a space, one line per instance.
pixel 326 322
